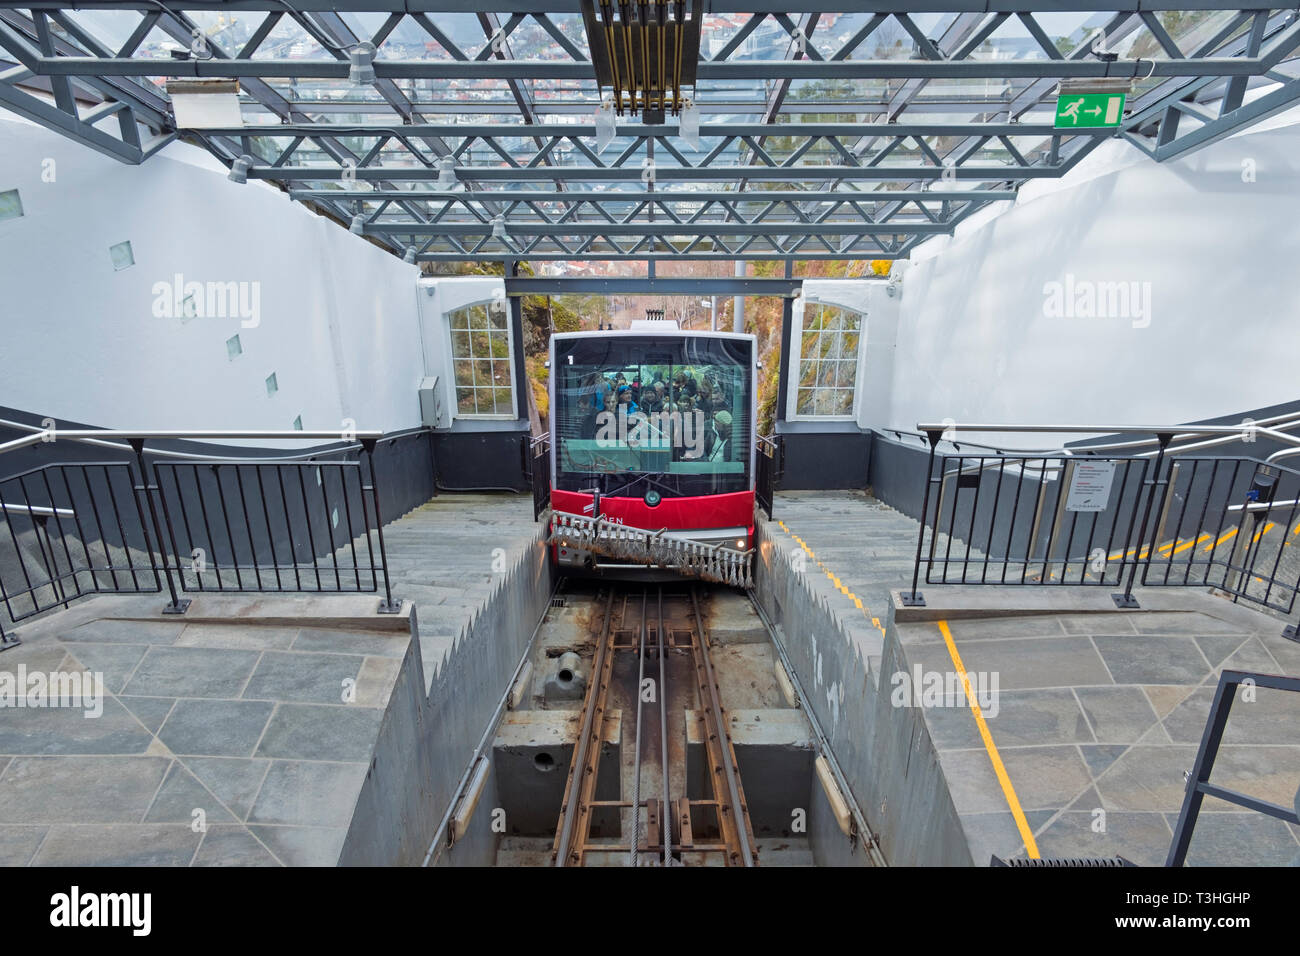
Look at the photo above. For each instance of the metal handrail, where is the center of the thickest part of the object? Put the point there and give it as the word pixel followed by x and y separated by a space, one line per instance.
pixel 1228 433
pixel 364 439
pixel 1091 451
pixel 37 510
pixel 1180 432
pixel 1159 485
pixel 199 456
pixel 1101 429
pixel 98 435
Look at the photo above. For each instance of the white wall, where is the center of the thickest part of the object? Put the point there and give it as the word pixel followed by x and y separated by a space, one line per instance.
pixel 1218 252
pixel 339 324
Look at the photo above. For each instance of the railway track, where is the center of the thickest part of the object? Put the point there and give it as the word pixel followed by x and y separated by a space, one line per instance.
pixel 661 825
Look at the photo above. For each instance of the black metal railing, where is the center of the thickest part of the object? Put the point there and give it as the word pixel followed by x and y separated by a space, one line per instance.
pixel 1011 519
pixel 1158 519
pixel 68 530
pixel 288 526
pixel 1198 782
pixel 1230 524
pixel 770 468
pixel 310 523
pixel 537 466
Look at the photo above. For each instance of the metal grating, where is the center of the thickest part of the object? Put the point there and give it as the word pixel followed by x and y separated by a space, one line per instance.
pixel 1053 862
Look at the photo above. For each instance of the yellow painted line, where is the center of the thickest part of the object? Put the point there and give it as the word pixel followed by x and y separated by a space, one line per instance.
pixel 1128 553
pixel 1171 544
pixel 834 579
pixel 1263 531
pixel 1031 847
pixel 1188 544
pixel 1220 539
pixel 1160 550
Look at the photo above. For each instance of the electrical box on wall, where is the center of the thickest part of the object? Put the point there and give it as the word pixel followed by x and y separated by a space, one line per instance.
pixel 433 411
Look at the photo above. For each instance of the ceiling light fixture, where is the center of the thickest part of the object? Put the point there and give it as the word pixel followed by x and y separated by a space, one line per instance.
pixel 361 72
pixel 447 173
pixel 239 169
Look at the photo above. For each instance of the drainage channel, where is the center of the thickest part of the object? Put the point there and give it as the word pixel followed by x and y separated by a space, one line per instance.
pixel 656 725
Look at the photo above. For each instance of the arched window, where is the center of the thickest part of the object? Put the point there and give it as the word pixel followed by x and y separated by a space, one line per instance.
pixel 828 361
pixel 482 361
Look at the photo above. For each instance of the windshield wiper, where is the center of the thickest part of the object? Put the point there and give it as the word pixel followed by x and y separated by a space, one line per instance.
pixel 644 476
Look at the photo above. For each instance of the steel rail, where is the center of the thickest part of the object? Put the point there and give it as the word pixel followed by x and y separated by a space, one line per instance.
pixel 575 812
pixel 635 842
pixel 666 816
pixel 733 814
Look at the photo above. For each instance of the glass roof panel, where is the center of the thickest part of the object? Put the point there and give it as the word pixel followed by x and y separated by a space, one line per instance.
pixel 870 103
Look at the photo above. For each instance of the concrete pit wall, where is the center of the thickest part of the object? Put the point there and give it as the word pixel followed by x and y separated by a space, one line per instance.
pixel 884 752
pixel 427 740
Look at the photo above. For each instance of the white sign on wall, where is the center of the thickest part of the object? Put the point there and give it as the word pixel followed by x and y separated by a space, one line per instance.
pixel 1090 485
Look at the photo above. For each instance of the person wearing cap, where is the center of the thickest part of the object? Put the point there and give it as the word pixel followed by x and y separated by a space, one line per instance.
pixel 626 400
pixel 721 437
pixel 652 398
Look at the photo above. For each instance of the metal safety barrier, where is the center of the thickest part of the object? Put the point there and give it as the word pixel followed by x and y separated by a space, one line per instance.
pixel 652 548
pixel 287 526
pixel 189 522
pixel 1009 519
pixel 537 466
pixel 1088 517
pixel 770 470
pixel 1229 524
pixel 68 530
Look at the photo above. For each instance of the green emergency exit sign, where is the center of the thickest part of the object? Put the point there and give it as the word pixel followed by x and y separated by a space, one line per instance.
pixel 1083 110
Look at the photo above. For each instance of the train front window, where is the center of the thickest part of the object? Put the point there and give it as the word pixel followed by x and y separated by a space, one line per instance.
pixel 672 414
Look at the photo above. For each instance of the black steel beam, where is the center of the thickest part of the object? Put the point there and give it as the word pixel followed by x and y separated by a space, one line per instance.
pixel 588 228
pixel 586 130
pixel 656 285
pixel 613 196
pixel 734 70
pixel 596 255
pixel 810 173
pixel 573 6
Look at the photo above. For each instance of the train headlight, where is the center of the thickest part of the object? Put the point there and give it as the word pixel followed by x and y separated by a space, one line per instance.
pixel 740 543
pixel 652 498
